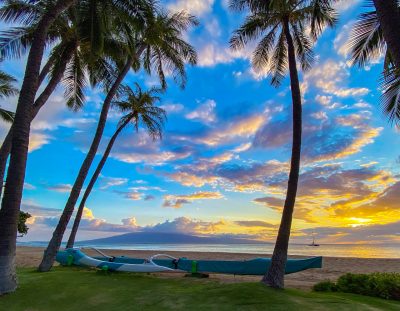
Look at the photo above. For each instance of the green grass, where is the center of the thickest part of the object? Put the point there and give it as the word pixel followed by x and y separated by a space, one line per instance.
pixel 82 289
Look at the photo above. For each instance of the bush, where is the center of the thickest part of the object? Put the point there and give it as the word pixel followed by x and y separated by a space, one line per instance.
pixel 383 285
pixel 325 286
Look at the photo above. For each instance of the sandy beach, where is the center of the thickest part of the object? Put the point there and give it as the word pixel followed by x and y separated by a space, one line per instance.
pixel 332 267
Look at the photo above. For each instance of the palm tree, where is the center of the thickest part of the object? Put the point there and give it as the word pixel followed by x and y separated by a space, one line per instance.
pixel 11 202
pixel 367 42
pixel 71 58
pixel 282 25
pixel 140 110
pixel 155 41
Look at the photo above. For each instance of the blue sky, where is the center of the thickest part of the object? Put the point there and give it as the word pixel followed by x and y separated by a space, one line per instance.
pixel 222 165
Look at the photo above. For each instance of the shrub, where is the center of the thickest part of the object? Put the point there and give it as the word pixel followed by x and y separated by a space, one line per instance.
pixel 383 285
pixel 325 286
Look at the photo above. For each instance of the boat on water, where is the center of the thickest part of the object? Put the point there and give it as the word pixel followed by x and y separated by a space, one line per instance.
pixel 258 266
pixel 313 241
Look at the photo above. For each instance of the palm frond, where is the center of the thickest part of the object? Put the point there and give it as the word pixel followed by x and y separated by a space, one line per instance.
pixel 75 82
pixel 253 5
pixel 279 61
pixel 322 15
pixel 21 12
pixel 252 29
pixel 303 47
pixel 390 99
pixel 7 116
pixel 366 41
pixel 15 42
pixel 6 85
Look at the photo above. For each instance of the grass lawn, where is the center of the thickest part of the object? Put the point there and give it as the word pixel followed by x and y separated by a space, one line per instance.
pixel 82 289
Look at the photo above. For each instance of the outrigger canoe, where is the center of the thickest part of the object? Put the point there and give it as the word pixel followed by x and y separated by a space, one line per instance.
pixel 257 266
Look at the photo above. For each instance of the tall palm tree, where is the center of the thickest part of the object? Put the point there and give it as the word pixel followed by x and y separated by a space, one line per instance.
pixel 155 41
pixel 367 42
pixel 281 27
pixel 11 202
pixel 140 110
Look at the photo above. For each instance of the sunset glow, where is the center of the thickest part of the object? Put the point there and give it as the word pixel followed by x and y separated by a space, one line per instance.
pixel 222 166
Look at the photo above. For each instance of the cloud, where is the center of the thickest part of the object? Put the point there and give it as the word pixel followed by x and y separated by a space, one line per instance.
pixel 379 233
pixel 242 128
pixel 384 204
pixel 28 186
pixel 145 150
pixel 38 140
pixel 204 113
pixel 130 195
pixel 186 225
pixel 211 54
pixel 341 42
pixel 63 188
pixel 177 201
pixel 194 7
pixel 342 6
pixel 149 197
pixel 107 182
pixel 172 108
pixel 325 138
pixel 254 223
pixel 329 76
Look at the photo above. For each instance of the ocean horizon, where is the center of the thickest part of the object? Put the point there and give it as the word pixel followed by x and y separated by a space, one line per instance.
pixel 389 251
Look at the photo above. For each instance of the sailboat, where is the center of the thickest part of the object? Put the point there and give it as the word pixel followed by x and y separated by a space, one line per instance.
pixel 313 241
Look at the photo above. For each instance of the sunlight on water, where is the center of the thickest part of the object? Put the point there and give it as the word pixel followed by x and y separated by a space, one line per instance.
pixel 358 251
pixel 328 250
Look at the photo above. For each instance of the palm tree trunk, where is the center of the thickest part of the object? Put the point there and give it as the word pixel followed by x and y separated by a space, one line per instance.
pixel 275 275
pixel 55 242
pixel 44 72
pixel 89 188
pixel 389 19
pixel 39 103
pixel 11 202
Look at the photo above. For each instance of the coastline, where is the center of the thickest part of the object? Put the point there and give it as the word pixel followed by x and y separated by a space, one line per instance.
pixel 333 267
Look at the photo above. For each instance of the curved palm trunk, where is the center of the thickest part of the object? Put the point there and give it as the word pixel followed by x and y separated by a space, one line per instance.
pixel 389 19
pixel 55 242
pixel 276 273
pixel 89 188
pixel 5 148
pixel 9 212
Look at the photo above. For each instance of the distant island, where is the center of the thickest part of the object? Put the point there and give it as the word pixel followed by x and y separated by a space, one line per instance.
pixel 168 238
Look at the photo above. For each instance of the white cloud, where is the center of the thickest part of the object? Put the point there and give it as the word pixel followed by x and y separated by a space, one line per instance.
pixel 107 182
pixel 63 188
pixel 172 108
pixel 330 76
pixel 38 140
pixel 205 112
pixel 342 6
pixel 194 7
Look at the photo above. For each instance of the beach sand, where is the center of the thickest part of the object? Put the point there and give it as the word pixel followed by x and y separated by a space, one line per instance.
pixel 332 267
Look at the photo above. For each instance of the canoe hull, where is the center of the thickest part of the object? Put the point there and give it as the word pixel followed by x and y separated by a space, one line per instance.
pixel 258 266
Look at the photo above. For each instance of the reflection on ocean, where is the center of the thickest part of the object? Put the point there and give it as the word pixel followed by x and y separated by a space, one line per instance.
pixel 328 250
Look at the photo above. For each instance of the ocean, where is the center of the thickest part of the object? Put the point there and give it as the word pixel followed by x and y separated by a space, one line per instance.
pixel 327 250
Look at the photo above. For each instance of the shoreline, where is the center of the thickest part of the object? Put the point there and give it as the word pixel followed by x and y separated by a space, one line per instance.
pixel 333 267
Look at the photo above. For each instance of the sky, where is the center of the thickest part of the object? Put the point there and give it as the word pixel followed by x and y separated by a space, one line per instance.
pixel 222 165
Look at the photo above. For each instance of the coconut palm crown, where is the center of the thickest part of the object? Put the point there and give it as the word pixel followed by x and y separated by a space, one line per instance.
pixel 367 43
